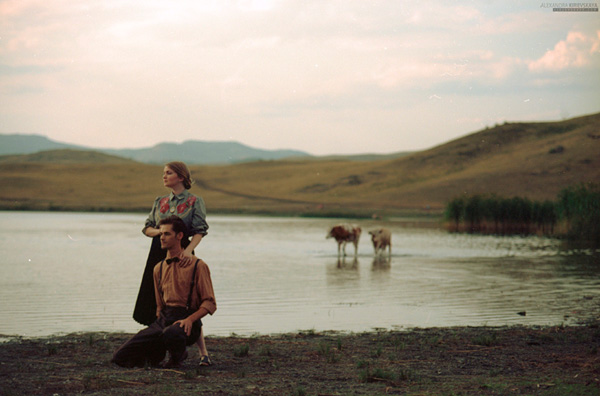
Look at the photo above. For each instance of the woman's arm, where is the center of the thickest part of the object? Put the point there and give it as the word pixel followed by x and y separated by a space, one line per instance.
pixel 198 229
pixel 150 227
pixel 193 243
pixel 186 256
pixel 151 232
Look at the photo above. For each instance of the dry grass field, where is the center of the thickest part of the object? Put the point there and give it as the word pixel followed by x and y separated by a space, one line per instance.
pixel 532 160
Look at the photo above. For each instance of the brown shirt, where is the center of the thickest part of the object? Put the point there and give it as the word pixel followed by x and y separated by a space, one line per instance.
pixel 174 286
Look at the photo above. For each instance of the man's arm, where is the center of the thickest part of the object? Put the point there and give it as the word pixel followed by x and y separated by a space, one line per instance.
pixel 188 322
pixel 157 293
pixel 206 294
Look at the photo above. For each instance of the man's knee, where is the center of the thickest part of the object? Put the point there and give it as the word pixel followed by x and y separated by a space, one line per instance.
pixel 141 349
pixel 120 360
pixel 124 358
pixel 174 333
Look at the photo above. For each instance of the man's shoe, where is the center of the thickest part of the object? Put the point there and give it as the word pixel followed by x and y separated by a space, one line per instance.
pixel 205 361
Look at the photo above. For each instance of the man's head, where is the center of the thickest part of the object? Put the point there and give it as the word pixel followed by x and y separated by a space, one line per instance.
pixel 172 231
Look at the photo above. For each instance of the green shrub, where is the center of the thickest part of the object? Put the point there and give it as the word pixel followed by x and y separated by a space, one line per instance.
pixel 241 350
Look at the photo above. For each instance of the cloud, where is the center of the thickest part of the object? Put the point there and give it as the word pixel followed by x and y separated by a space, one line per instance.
pixel 576 51
pixel 259 70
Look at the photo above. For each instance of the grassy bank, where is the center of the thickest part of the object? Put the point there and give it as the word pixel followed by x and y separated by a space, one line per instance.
pixel 449 361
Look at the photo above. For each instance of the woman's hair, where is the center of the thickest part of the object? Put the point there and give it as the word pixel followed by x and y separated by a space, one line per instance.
pixel 182 171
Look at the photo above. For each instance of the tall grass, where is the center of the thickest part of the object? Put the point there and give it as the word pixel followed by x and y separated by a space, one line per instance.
pixel 579 206
pixel 576 208
pixel 497 215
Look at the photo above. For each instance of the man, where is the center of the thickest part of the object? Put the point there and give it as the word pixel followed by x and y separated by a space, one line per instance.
pixel 183 296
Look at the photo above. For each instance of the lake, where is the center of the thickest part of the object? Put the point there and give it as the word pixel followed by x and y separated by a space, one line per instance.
pixel 71 272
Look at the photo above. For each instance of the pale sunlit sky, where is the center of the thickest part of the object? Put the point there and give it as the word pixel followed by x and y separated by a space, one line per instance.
pixel 326 77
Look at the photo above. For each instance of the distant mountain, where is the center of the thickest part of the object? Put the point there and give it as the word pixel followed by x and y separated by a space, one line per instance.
pixel 28 144
pixel 202 152
pixel 192 152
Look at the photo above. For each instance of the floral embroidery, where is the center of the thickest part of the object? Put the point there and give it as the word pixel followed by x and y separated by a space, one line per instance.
pixel 187 204
pixel 164 205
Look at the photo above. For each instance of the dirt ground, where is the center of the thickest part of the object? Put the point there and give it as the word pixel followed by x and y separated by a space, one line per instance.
pixel 560 360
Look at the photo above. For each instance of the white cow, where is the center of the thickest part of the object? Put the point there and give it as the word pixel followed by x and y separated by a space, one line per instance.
pixel 381 238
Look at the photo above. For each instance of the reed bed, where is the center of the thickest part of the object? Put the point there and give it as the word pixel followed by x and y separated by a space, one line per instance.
pixel 575 214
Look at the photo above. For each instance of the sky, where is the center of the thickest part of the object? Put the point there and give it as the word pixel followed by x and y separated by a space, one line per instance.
pixel 325 77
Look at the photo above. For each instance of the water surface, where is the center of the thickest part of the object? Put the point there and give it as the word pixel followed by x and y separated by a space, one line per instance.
pixel 66 272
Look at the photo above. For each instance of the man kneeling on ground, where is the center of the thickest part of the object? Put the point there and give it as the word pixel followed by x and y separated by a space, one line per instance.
pixel 183 296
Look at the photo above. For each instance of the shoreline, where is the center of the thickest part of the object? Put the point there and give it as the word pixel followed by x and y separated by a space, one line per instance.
pixel 520 360
pixel 589 320
pixel 417 213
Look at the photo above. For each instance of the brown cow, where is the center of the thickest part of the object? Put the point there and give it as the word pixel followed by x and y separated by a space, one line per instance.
pixel 344 233
pixel 381 238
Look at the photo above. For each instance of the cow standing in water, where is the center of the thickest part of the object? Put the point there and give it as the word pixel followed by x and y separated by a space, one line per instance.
pixel 344 233
pixel 381 238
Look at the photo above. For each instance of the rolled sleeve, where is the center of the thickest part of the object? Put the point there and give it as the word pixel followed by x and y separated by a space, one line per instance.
pixel 205 290
pixel 151 220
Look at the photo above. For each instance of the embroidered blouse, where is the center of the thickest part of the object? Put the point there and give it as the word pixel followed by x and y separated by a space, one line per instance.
pixel 187 206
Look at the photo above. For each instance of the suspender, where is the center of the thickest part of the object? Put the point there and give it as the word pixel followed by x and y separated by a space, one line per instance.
pixel 189 299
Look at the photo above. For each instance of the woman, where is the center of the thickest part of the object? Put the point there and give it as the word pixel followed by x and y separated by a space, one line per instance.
pixel 190 208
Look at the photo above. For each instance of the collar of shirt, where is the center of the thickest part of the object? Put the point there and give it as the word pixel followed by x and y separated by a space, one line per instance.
pixel 179 197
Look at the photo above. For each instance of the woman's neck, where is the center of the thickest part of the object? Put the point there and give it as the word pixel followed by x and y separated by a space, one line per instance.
pixel 178 189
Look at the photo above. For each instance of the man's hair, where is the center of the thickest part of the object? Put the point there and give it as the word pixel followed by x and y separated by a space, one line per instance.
pixel 176 222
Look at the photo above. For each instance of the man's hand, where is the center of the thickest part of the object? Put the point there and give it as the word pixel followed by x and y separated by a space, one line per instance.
pixel 186 324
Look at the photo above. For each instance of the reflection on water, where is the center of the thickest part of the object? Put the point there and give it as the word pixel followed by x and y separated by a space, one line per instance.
pixel 65 272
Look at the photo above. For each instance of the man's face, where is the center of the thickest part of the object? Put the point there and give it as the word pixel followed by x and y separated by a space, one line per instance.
pixel 168 238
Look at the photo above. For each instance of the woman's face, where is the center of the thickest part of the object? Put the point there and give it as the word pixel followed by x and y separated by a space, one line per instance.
pixel 170 178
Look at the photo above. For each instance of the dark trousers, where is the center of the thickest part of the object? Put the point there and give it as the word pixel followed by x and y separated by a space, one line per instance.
pixel 151 344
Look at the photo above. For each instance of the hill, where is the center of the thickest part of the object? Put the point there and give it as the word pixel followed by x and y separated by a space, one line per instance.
pixel 65 156
pixel 534 160
pixel 191 151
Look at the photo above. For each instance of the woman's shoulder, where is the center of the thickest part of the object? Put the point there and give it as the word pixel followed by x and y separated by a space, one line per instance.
pixel 191 194
pixel 161 197
pixel 193 198
pixel 160 203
